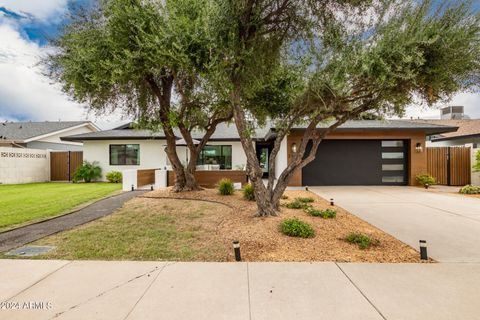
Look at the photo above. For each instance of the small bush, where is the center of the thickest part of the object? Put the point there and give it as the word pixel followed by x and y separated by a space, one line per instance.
pixel 284 197
pixel 114 176
pixel 225 187
pixel 296 204
pixel 364 241
pixel 88 172
pixel 248 193
pixel 469 189
pixel 305 200
pixel 425 179
pixel 325 214
pixel 296 228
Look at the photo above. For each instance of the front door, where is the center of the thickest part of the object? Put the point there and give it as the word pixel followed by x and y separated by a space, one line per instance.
pixel 263 155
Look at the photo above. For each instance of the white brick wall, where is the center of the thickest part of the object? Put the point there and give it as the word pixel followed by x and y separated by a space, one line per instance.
pixel 19 165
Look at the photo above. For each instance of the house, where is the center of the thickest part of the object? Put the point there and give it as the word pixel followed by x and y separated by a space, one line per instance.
pixel 363 152
pixel 468 133
pixel 44 135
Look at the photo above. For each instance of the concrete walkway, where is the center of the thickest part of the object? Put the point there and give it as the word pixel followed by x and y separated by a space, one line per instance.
pixel 449 222
pixel 23 235
pixel 161 290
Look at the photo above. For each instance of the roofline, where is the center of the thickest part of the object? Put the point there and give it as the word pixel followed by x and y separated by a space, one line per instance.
pixel 475 135
pixel 46 135
pixel 73 138
pixel 428 130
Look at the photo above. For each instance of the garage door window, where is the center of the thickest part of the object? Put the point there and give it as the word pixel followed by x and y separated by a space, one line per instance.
pixel 392 179
pixel 392 155
pixel 392 167
pixel 392 143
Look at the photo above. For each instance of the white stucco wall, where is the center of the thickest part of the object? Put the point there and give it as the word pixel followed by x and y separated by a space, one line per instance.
pixel 281 162
pixel 19 165
pixel 452 143
pixel 475 175
pixel 152 154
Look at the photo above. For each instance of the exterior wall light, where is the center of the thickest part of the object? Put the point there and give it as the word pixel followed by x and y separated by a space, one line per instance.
pixel 294 147
pixel 418 147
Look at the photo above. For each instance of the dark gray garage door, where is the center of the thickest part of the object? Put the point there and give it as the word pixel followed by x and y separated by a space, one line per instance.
pixel 358 162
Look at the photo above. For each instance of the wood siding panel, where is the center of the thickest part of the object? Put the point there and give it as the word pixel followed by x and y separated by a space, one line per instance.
pixel 76 160
pixel 209 179
pixel 450 165
pixel 437 163
pixel 460 166
pixel 59 166
pixel 145 177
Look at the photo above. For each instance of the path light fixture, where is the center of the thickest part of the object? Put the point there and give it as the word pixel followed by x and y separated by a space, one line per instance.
pixel 423 250
pixel 418 147
pixel 236 249
pixel 332 203
pixel 294 147
pixel 133 188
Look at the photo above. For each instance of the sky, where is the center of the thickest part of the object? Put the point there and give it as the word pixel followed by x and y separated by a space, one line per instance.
pixel 26 94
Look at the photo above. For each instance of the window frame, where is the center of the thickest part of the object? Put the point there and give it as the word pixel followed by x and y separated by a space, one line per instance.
pixel 201 156
pixel 125 150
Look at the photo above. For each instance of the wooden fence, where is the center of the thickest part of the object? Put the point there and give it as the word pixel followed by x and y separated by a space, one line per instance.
pixel 210 178
pixel 145 177
pixel 449 165
pixel 63 164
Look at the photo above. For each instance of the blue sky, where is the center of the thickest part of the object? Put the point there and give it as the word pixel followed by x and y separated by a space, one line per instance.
pixel 26 94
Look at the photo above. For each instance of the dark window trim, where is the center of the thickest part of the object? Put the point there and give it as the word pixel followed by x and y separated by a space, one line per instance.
pixel 201 158
pixel 125 145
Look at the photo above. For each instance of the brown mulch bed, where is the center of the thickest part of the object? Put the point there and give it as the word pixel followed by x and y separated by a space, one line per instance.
pixel 261 239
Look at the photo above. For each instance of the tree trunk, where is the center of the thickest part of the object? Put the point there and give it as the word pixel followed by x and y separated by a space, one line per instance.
pixel 191 183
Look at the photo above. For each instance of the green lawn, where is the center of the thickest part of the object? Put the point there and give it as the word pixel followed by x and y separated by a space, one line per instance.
pixel 23 203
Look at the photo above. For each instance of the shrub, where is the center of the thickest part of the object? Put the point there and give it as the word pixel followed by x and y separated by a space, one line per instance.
pixel 364 241
pixel 297 204
pixel 476 166
pixel 469 189
pixel 225 187
pixel 296 228
pixel 87 172
pixel 325 214
pixel 284 197
pixel 305 200
pixel 248 193
pixel 425 179
pixel 114 176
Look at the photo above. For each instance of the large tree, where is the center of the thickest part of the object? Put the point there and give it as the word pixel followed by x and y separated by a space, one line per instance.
pixel 354 56
pixel 150 60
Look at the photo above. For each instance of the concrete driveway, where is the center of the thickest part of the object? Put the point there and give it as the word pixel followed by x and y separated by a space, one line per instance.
pixel 450 223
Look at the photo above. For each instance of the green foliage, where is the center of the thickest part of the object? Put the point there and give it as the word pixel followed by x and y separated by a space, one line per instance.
pixel 305 200
pixel 364 241
pixel 114 176
pixel 296 228
pixel 248 192
pixel 325 214
pixel 476 166
pixel 297 204
pixel 469 189
pixel 284 197
pixel 226 187
pixel 425 179
pixel 88 172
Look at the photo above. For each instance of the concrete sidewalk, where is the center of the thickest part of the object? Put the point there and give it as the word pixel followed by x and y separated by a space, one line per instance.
pixel 163 290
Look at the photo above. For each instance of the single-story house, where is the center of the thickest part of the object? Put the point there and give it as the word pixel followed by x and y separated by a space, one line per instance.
pixel 44 135
pixel 364 152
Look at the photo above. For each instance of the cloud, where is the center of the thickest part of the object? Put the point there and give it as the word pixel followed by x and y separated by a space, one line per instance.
pixel 40 9
pixel 471 102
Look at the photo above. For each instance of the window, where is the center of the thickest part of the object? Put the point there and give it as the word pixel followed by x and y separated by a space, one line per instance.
pixel 392 167
pixel 392 179
pixel 124 154
pixel 216 155
pixel 392 155
pixel 392 143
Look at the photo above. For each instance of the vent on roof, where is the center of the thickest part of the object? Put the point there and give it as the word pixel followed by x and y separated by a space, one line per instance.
pixel 453 112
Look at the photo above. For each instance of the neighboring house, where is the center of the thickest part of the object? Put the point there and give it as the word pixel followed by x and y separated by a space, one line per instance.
pixel 44 135
pixel 468 133
pixel 365 152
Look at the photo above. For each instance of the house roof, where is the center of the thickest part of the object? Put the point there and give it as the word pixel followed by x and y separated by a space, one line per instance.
pixel 27 131
pixel 382 125
pixel 467 128
pixel 228 131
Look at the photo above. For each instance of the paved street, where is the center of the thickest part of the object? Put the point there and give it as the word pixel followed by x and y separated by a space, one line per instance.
pixel 449 222
pixel 164 290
